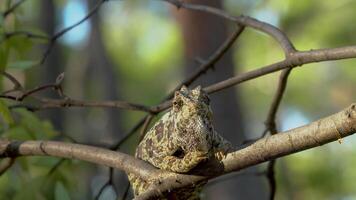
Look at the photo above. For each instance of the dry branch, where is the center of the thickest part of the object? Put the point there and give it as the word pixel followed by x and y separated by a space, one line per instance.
pixel 296 59
pixel 12 8
pixel 312 135
pixel 320 132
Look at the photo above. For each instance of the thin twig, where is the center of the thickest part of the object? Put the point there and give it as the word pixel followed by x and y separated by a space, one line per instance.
pixel 6 164
pixel 165 103
pixel 35 90
pixel 271 127
pixel 273 31
pixel 17 84
pixel 55 167
pixel 137 126
pixel 209 63
pixel 27 34
pixel 127 189
pixel 270 175
pixel 107 183
pixel 145 127
pixel 12 8
pixel 69 102
pixel 271 117
pixel 59 34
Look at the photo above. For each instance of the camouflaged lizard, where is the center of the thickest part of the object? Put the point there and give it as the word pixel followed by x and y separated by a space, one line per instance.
pixel 183 138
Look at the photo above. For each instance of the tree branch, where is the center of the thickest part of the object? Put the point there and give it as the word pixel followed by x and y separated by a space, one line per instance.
pixel 312 135
pixel 277 98
pixel 68 102
pixel 206 65
pixel 320 132
pixel 296 59
pixel 27 34
pixel 210 62
pixel 6 164
pixel 272 127
pixel 95 155
pixel 273 31
pixel 59 34
pixel 12 8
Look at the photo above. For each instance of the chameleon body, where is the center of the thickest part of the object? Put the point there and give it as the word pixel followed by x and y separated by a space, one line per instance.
pixel 183 138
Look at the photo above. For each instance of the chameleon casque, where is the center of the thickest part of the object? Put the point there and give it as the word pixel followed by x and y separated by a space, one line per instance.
pixel 183 138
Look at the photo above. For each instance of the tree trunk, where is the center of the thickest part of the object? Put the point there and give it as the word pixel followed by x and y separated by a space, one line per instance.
pixel 202 35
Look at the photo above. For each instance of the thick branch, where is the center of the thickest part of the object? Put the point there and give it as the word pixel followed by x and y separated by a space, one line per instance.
pixel 95 155
pixel 315 134
pixel 320 132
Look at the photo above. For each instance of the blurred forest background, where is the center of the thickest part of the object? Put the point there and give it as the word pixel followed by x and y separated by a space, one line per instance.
pixel 138 51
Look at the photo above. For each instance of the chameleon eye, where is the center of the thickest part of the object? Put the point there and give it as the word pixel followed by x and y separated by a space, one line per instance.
pixel 175 103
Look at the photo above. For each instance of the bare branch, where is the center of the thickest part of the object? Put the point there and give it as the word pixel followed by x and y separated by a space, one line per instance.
pixel 296 59
pixel 273 31
pixel 59 34
pixel 68 102
pixel 106 184
pixel 270 174
pixel 65 102
pixel 312 135
pixel 272 127
pixel 320 132
pixel 6 164
pixel 209 63
pixel 12 8
pixel 145 127
pixel 205 65
pixel 27 34
pixel 137 126
pixel 271 117
pixel 127 188
pixel 17 84
pixel 35 90
pixel 77 151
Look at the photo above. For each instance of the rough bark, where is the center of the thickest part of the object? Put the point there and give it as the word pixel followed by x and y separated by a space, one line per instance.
pixel 320 132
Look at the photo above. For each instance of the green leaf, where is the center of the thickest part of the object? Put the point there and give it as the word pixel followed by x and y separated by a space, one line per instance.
pixel 24 64
pixel 5 113
pixel 61 192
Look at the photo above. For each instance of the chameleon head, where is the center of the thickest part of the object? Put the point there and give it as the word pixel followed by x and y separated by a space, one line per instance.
pixel 193 118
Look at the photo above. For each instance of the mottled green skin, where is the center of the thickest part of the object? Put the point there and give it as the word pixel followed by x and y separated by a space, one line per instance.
pixel 183 138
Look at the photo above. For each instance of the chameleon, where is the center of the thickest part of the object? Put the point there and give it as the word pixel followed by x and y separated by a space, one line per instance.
pixel 183 138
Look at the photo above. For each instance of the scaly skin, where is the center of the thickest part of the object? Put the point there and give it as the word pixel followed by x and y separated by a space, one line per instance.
pixel 183 138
